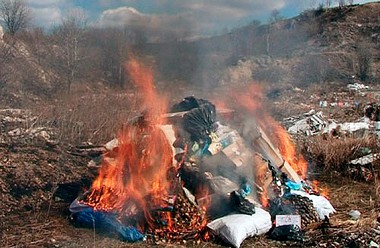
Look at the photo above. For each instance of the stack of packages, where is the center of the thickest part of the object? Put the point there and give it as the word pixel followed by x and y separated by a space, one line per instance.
pixel 216 166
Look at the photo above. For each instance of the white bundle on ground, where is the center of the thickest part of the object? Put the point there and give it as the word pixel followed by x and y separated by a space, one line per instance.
pixel 235 228
pixel 320 203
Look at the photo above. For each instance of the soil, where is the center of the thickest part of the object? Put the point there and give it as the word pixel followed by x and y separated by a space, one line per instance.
pixel 38 181
pixel 51 226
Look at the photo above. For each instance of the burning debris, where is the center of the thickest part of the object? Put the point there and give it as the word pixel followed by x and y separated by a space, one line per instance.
pixel 151 177
pixel 175 176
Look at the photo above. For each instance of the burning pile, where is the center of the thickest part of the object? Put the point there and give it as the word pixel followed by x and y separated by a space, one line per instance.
pixel 141 186
pixel 171 174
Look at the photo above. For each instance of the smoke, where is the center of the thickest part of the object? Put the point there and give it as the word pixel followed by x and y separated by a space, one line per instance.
pixel 184 19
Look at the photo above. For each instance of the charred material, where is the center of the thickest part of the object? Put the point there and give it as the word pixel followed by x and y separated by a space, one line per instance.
pixel 182 221
pixel 294 205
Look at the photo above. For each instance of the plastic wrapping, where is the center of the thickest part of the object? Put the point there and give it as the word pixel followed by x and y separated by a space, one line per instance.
pixel 187 104
pixel 235 228
pixel 199 122
pixel 287 232
pixel 240 204
pixel 320 203
pixel 85 216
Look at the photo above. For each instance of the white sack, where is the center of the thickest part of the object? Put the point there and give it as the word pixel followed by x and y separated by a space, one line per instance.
pixel 320 203
pixel 235 228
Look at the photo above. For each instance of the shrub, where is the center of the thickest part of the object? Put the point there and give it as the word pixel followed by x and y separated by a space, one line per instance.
pixel 334 154
pixel 273 74
pixel 91 118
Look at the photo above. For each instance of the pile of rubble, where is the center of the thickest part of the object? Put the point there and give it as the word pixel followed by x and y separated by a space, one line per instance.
pixel 19 127
pixel 312 123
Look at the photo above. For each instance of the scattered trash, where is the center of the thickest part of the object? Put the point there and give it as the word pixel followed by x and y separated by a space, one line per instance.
pixel 309 125
pixel 317 124
pixel 357 86
pixel 287 232
pixel 373 244
pixel 347 127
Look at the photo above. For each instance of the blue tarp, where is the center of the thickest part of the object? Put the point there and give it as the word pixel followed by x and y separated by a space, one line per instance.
pixel 106 222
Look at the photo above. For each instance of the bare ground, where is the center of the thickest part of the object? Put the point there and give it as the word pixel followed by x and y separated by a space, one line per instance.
pixel 38 182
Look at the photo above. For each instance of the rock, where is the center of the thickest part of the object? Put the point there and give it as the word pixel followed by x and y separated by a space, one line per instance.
pixel 355 214
pixel 112 144
pixel 1 33
pixel 373 244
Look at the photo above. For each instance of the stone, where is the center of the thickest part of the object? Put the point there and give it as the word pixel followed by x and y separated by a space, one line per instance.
pixel 1 33
pixel 355 214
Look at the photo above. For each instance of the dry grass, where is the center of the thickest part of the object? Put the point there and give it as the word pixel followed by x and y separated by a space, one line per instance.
pixel 89 118
pixel 332 153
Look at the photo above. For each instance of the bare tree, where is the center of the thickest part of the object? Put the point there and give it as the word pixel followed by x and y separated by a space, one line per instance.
pixel 328 3
pixel 5 59
pixel 341 3
pixel 364 60
pixel 70 36
pixel 345 2
pixel 15 15
pixel 274 17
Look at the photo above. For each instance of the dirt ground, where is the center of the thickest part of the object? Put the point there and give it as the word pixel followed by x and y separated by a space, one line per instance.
pixel 51 227
pixel 39 181
pixel 40 218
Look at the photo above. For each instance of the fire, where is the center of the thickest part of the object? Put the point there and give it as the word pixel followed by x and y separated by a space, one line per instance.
pixel 138 183
pixel 264 198
pixel 137 177
pixel 323 191
pixel 142 76
pixel 251 99
pixel 288 151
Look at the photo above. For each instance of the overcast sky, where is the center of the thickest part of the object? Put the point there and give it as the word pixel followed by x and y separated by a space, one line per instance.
pixel 198 16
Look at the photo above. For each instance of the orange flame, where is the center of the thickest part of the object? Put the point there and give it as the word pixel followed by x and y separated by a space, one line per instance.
pixel 137 177
pixel 251 99
pixel 264 198
pixel 288 151
pixel 323 191
pixel 142 76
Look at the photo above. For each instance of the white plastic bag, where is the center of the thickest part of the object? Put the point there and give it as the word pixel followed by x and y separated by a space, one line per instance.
pixel 235 228
pixel 320 203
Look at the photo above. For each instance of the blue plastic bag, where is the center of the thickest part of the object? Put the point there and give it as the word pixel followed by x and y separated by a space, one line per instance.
pixel 106 222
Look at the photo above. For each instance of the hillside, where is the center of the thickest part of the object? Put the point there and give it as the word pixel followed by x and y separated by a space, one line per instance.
pixel 318 46
pixel 63 98
pixel 314 47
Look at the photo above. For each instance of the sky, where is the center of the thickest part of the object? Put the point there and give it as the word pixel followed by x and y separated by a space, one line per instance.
pixel 193 17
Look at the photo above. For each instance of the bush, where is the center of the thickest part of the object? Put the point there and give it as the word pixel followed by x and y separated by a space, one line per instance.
pixel 273 74
pixel 315 69
pixel 334 154
pixel 364 60
pixel 91 118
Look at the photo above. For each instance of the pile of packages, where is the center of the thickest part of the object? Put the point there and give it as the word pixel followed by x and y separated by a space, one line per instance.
pixel 213 171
